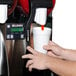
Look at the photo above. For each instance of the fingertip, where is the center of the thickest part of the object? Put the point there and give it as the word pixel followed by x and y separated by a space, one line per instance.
pixel 44 46
pixel 28 47
pixel 23 57
pixel 50 41
pixel 26 66
pixel 30 69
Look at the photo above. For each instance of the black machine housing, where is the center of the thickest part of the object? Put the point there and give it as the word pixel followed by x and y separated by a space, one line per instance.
pixel 6 1
pixel 34 4
pixel 41 3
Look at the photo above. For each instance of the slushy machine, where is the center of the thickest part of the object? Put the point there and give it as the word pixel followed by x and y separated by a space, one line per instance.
pixel 17 18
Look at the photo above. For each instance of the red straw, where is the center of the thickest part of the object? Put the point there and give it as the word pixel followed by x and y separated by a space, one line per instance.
pixel 42 27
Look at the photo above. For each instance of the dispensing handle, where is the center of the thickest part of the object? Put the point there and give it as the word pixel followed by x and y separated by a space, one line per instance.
pixel 28 23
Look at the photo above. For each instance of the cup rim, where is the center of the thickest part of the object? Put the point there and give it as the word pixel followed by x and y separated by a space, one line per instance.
pixel 38 28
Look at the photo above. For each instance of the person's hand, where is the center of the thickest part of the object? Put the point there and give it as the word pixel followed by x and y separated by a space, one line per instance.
pixel 37 60
pixel 54 50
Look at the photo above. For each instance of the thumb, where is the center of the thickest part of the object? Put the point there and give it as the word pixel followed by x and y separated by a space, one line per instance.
pixel 52 43
pixel 51 54
pixel 48 47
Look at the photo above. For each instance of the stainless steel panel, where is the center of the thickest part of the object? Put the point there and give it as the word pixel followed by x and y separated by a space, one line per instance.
pixel 3 57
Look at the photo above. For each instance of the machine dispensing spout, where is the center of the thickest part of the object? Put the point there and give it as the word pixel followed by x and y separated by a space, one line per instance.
pixel 4 10
pixel 3 13
pixel 37 8
pixel 4 68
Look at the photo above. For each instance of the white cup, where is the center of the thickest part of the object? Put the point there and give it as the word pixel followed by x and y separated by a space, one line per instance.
pixel 41 38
